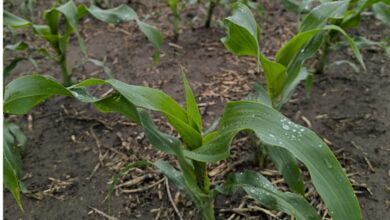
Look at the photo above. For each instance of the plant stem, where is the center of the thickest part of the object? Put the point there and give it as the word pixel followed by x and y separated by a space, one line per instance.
pixel 176 25
pixel 201 176
pixel 262 156
pixel 66 73
pixel 323 59
pixel 210 13
pixel 208 211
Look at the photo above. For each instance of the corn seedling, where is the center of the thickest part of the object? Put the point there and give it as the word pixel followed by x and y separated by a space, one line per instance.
pixel 282 76
pixel 176 11
pixel 21 46
pixel 51 31
pixel 196 149
pixel 14 142
pixel 228 5
pixel 343 14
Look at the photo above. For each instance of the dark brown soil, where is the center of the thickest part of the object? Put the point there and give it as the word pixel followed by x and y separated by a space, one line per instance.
pixel 74 151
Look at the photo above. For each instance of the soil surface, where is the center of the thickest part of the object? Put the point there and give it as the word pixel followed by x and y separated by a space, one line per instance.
pixel 74 151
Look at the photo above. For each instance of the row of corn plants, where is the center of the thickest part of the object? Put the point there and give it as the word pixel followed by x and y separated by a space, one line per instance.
pixel 284 141
pixel 196 149
pixel 58 35
pixel 345 14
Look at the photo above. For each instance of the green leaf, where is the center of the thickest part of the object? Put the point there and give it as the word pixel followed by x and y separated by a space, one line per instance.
pixel 14 142
pixel 117 103
pixel 8 69
pixel 123 14
pixel 285 162
pixel 70 11
pixel 100 64
pixel 290 87
pixel 154 36
pixel 193 113
pixel 274 129
pixel 309 84
pixel 119 15
pixel 276 76
pixel 176 178
pixel 349 63
pixel 318 17
pixel 297 6
pixel 294 46
pixel 382 12
pixel 14 21
pixel 259 95
pixel 19 46
pixel 156 100
pixel 172 145
pixel 243 32
pixel 352 44
pixel 259 188
pixel 23 93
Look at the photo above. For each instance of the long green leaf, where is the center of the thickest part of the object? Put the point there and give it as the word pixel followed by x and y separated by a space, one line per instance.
pixel 14 21
pixel 276 76
pixel 259 188
pixel 22 94
pixel 274 129
pixel 243 32
pixel 172 145
pixel 119 15
pixel 286 163
pixel 13 142
pixel 25 92
pixel 154 36
pixel 318 16
pixel 123 14
pixel 193 113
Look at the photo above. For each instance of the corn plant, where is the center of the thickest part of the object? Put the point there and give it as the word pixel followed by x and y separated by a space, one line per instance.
pixel 284 73
pixel 228 5
pixel 381 11
pixel 51 31
pixel 174 6
pixel 343 14
pixel 196 149
pixel 282 76
pixel 22 46
pixel 14 142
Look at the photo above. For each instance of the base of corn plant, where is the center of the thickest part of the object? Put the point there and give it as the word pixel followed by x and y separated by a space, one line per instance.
pixel 66 74
pixel 207 211
pixel 320 66
pixel 261 156
pixel 210 12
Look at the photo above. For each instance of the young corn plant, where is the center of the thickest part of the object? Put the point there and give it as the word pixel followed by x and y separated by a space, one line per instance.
pixel 14 142
pixel 176 11
pixel 283 74
pixel 195 149
pixel 228 5
pixel 345 15
pixel 58 36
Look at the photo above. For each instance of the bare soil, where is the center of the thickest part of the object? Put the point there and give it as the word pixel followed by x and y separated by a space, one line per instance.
pixel 74 151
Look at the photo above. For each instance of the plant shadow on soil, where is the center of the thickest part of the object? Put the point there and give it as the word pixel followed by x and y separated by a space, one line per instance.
pixel 69 140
